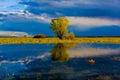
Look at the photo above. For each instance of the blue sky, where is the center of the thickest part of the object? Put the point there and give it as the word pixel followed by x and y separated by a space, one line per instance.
pixel 87 17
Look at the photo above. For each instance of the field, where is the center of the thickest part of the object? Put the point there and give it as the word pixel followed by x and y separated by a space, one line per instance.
pixel 115 40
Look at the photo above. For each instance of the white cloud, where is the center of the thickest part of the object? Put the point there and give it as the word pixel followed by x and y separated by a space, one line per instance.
pixel 87 22
pixel 12 33
pixel 8 13
pixel 25 16
pixel 6 3
pixel 10 5
pixel 78 22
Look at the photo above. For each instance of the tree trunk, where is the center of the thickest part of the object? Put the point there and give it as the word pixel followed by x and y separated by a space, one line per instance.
pixel 60 36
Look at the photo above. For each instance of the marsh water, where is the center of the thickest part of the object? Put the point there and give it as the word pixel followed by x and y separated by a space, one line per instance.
pixel 60 61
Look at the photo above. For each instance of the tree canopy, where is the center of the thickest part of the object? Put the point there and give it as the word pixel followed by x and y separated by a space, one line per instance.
pixel 59 26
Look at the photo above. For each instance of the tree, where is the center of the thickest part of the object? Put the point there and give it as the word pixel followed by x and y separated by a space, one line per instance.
pixel 59 26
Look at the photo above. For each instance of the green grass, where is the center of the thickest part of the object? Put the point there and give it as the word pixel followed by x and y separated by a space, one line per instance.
pixel 115 40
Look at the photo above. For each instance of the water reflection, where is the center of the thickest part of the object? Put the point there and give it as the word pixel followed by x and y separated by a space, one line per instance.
pixel 59 53
pixel 62 62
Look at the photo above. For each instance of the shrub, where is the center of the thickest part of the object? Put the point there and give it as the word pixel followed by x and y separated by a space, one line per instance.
pixel 39 36
pixel 25 36
pixel 70 36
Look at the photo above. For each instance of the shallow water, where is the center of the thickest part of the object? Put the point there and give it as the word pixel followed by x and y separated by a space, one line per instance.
pixel 60 61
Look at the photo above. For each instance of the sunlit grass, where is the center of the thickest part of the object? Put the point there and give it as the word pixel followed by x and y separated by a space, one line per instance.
pixel 115 40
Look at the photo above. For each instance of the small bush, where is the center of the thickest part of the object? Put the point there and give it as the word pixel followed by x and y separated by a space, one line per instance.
pixel 70 36
pixel 39 36
pixel 25 36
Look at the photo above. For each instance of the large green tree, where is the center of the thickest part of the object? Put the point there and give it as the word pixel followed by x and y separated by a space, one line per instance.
pixel 59 26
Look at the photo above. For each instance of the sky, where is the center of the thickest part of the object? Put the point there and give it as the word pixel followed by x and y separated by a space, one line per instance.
pixel 87 17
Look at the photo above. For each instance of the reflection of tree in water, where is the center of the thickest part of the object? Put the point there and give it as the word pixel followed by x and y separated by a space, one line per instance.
pixel 73 69
pixel 59 52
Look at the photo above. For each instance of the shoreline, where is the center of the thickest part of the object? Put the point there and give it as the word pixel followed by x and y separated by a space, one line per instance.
pixel 22 40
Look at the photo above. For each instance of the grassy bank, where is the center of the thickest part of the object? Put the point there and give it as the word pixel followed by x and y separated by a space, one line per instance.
pixel 115 40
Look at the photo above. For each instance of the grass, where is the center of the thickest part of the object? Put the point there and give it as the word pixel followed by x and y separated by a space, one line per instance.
pixel 115 40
